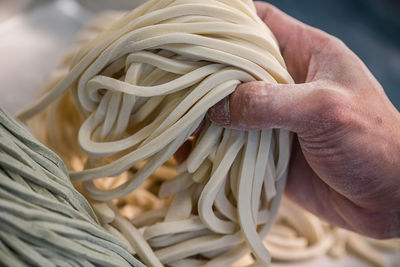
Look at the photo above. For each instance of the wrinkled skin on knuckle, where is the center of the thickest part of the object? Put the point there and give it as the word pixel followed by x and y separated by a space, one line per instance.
pixel 329 115
pixel 352 151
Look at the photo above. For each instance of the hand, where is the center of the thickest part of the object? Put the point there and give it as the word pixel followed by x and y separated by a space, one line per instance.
pixel 345 164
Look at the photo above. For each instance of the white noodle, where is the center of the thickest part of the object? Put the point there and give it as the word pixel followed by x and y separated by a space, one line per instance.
pixel 139 89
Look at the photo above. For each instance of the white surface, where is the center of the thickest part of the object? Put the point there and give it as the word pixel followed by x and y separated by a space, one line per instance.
pixel 31 45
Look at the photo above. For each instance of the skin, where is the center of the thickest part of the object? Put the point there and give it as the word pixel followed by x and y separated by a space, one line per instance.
pixel 345 164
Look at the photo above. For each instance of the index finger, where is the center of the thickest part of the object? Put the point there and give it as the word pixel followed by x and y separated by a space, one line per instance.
pixel 297 41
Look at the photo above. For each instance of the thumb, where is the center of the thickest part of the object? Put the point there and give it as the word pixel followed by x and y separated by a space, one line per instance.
pixel 260 105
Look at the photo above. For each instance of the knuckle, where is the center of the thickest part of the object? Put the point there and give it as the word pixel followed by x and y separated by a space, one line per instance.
pixel 336 41
pixel 332 107
pixel 325 41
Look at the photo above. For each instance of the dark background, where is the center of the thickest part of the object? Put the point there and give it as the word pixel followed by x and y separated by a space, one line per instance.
pixel 371 28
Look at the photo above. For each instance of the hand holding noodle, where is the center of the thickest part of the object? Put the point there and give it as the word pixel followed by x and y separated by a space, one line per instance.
pixel 345 165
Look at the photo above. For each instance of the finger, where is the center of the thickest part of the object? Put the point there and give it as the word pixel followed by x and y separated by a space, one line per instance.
pixel 183 152
pixel 259 105
pixel 298 42
pixel 199 128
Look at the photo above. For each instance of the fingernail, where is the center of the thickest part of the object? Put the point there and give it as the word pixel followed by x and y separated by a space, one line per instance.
pixel 219 113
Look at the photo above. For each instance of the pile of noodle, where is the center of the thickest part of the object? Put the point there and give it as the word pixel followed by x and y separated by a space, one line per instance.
pixel 44 221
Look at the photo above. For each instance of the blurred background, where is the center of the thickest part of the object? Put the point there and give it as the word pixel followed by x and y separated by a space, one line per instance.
pixel 35 33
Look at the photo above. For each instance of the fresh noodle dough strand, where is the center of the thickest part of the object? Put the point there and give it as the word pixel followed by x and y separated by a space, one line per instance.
pixel 180 207
pixel 339 247
pixel 224 206
pixel 365 250
pixel 150 217
pixel 216 181
pixel 167 240
pixel 315 250
pixel 193 224
pixel 141 84
pixel 137 242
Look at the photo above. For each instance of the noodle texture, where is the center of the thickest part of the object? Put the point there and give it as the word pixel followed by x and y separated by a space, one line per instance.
pixel 132 91
pixel 44 221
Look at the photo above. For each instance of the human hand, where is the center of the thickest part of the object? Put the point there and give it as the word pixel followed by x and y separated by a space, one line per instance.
pixel 345 164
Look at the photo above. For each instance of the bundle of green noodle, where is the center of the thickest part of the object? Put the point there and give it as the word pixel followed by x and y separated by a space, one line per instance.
pixel 44 221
